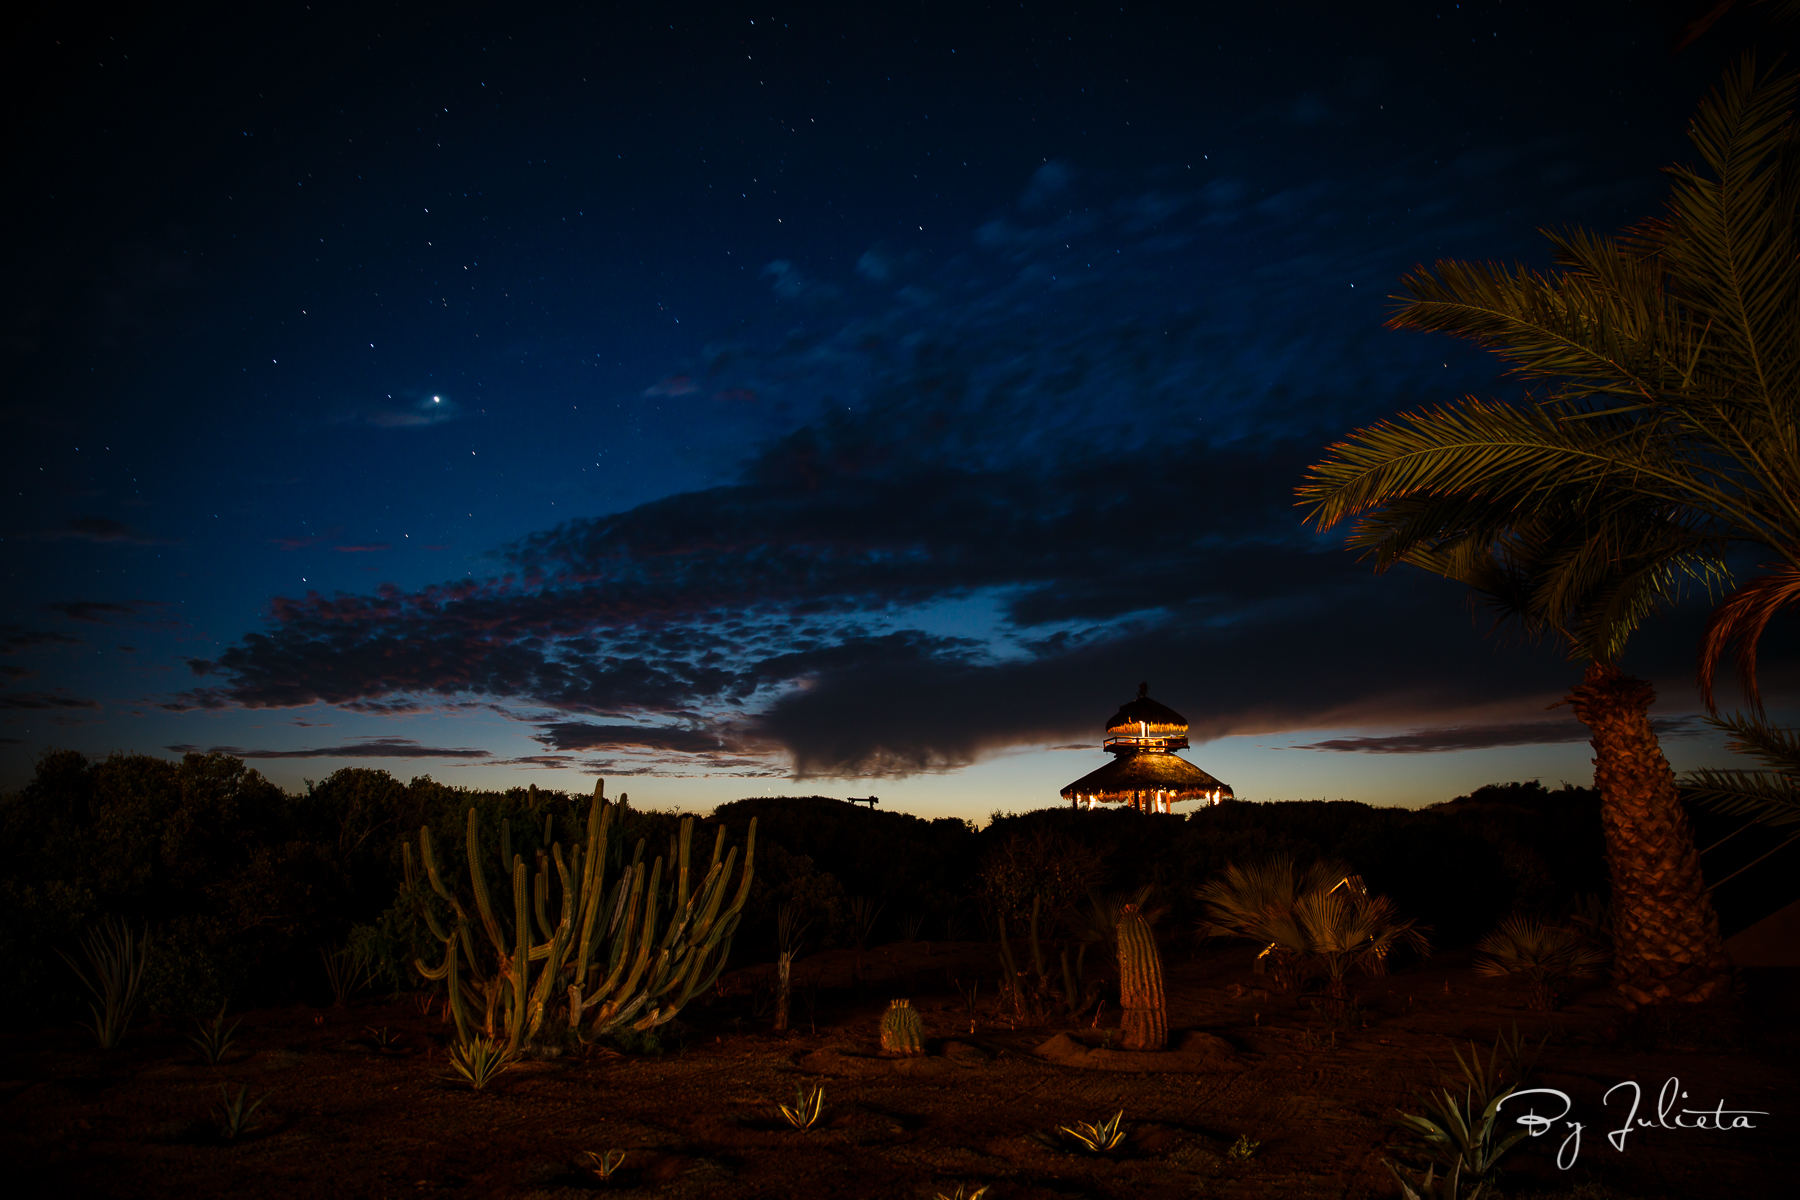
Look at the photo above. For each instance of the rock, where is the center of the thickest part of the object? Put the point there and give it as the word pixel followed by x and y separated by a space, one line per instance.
pixel 1195 1053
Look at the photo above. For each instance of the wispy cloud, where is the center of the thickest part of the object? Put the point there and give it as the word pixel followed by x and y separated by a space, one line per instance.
pixel 369 747
pixel 104 530
pixel 1483 737
pixel 1055 465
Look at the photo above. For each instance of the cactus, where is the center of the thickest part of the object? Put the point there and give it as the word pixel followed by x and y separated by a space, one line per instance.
pixel 1146 1014
pixel 606 950
pixel 901 1030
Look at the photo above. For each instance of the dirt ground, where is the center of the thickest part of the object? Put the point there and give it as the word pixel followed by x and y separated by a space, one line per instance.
pixel 342 1116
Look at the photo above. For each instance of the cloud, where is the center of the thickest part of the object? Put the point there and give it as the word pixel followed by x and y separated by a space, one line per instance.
pixel 44 701
pixel 673 385
pixel 427 410
pixel 197 700
pixel 150 613
pixel 370 747
pixel 104 530
pixel 1483 737
pixel 15 639
pixel 580 735
pixel 1061 464
pixel 364 548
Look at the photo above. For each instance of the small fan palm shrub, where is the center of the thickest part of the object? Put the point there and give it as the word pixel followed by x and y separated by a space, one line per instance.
pixel 1345 931
pixel 1550 956
pixel 1257 901
pixel 116 958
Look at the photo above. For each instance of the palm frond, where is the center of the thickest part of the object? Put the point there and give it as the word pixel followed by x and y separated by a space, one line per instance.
pixel 1770 796
pixel 1737 626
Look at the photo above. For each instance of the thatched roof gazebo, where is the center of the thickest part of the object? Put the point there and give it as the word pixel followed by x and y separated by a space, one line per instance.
pixel 1146 772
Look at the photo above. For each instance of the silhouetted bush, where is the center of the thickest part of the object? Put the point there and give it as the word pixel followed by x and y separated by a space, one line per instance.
pixel 242 884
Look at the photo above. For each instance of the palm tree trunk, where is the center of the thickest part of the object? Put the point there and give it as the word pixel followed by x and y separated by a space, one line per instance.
pixel 1666 942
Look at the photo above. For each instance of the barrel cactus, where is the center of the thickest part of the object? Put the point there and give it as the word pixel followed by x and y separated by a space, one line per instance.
pixel 1146 1012
pixel 901 1030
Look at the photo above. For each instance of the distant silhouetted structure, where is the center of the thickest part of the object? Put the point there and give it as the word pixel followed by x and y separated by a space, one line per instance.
pixel 871 801
pixel 1146 774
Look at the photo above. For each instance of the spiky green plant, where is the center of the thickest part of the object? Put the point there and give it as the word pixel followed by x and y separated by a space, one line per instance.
pixel 1144 1024
pixel 1550 956
pixel 1244 1148
pixel 604 1166
pixel 864 912
pixel 962 1192
pixel 790 934
pixel 1455 1137
pixel 611 951
pixel 213 1038
pixel 116 959
pixel 232 1117
pixel 901 1030
pixel 1101 1138
pixel 348 970
pixel 480 1061
pixel 807 1108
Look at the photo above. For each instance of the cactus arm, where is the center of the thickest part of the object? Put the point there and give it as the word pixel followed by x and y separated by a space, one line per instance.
pixel 454 987
pixel 428 852
pixel 506 850
pixel 540 897
pixel 709 897
pixel 622 941
pixel 592 894
pixel 521 956
pixel 478 877
pixel 681 884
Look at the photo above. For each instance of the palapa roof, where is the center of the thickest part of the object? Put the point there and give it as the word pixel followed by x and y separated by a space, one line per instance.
pixel 1146 774
pixel 1147 715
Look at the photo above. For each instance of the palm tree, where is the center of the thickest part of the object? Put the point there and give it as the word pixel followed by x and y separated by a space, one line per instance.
pixel 1668 434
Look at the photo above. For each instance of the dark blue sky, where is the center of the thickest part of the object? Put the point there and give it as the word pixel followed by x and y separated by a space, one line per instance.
pixel 713 393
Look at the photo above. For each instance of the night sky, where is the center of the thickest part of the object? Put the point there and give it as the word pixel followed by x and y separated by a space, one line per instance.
pixel 710 395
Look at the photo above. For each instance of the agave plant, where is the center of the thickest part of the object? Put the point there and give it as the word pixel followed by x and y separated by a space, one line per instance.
pixel 806 1110
pixel 233 1116
pixel 963 1192
pixel 213 1038
pixel 481 1060
pixel 1098 1139
pixel 115 974
pixel 1548 955
pixel 604 1166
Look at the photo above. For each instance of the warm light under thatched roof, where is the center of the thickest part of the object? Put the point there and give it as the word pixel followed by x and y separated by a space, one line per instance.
pixel 1147 716
pixel 1145 773
pixel 1142 779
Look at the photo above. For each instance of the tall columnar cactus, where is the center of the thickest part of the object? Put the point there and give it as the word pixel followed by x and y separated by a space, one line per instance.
pixel 1146 1020
pixel 607 958
pixel 901 1030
